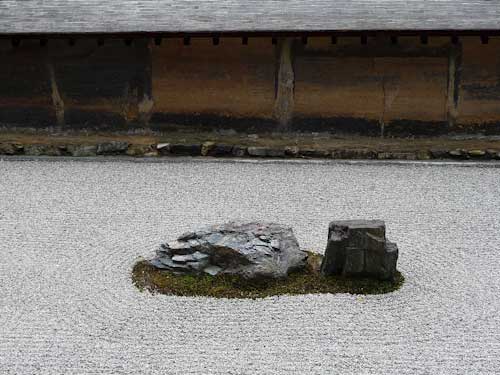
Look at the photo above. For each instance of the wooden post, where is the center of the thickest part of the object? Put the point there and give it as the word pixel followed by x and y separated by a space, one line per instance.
pixel 285 83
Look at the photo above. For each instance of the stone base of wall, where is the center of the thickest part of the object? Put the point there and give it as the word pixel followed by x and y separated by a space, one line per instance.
pixel 233 145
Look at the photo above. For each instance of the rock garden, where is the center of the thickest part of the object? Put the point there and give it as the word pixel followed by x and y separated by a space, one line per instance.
pixel 256 259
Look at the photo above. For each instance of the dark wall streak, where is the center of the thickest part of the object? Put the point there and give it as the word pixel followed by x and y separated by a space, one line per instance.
pixel 165 121
pixel 339 125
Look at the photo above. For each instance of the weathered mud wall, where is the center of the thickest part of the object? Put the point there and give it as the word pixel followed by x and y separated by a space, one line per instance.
pixel 101 85
pixel 227 84
pixel 75 84
pixel 374 86
pixel 25 89
pixel 479 97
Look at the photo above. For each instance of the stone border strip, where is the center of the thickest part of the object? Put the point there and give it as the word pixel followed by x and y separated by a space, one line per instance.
pixel 212 149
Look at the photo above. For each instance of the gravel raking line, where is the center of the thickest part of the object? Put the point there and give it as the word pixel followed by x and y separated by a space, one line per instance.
pixel 70 232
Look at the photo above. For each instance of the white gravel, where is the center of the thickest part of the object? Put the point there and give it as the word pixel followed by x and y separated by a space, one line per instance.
pixel 70 232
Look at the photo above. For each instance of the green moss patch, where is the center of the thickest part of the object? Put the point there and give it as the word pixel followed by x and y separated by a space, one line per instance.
pixel 308 281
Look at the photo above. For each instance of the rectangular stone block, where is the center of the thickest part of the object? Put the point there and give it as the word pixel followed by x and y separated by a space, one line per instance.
pixel 358 248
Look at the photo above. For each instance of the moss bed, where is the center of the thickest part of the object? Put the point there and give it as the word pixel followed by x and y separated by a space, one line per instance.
pixel 308 281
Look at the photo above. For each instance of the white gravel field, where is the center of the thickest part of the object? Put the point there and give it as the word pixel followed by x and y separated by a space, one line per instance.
pixel 71 230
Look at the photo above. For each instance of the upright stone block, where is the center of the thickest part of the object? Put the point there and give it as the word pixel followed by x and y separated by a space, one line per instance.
pixel 359 248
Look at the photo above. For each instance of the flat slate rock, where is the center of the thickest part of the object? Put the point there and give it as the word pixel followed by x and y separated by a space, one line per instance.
pixel 183 258
pixel 251 250
pixel 112 147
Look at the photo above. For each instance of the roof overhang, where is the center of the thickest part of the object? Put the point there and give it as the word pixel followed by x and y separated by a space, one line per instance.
pixel 233 17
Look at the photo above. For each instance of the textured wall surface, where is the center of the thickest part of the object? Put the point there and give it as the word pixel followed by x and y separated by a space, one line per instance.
pixel 369 82
pixel 25 89
pixel 83 85
pixel 376 82
pixel 371 87
pixel 226 80
pixel 480 83
pixel 100 84
pixel 82 16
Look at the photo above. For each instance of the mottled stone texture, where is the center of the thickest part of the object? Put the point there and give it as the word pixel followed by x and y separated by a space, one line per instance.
pixel 359 248
pixel 250 250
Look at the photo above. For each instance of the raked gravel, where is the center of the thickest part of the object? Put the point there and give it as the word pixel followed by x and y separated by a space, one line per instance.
pixel 71 230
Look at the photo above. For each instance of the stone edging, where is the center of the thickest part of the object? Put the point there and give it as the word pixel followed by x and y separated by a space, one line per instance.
pixel 212 149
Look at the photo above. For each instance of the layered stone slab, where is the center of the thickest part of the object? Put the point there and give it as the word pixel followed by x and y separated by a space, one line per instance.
pixel 251 250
